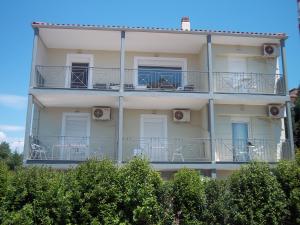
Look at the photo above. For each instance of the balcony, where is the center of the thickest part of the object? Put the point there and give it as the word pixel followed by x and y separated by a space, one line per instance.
pixel 155 80
pixel 156 150
pixel 248 83
pixel 170 150
pixel 241 150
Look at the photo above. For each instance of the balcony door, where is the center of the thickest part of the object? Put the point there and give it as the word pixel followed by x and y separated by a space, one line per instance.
pixel 153 140
pixel 79 75
pixel 75 136
pixel 240 141
pixel 239 78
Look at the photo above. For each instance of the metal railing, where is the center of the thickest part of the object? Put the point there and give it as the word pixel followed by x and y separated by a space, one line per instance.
pixel 241 150
pixel 77 77
pixel 167 149
pixel 254 83
pixel 71 148
pixel 165 80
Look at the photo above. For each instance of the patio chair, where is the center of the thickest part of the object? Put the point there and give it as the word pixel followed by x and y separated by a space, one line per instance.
pixel 37 152
pixel 178 154
pixel 100 86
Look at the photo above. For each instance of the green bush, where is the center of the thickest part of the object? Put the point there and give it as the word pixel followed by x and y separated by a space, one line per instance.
pixel 255 196
pixel 141 189
pixel 216 211
pixel 189 197
pixel 288 175
pixel 95 193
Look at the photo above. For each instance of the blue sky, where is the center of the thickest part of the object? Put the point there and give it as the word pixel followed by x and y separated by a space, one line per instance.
pixel 16 35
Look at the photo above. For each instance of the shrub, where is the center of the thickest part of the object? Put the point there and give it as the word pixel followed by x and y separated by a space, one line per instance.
pixel 95 193
pixel 189 196
pixel 255 196
pixel 36 196
pixel 141 189
pixel 216 211
pixel 288 175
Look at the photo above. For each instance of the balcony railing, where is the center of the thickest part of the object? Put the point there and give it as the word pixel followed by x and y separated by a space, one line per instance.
pixel 157 150
pixel 157 80
pixel 167 149
pixel 165 80
pixel 254 83
pixel 241 150
pixel 77 77
pixel 71 148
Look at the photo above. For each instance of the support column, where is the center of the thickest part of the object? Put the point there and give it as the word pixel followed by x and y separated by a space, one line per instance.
pixel 211 111
pixel 289 128
pixel 26 150
pixel 122 62
pixel 209 65
pixel 120 130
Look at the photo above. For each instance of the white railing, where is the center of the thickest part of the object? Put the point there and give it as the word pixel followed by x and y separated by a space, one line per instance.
pixel 167 149
pixel 228 150
pixel 71 148
pixel 165 80
pixel 253 83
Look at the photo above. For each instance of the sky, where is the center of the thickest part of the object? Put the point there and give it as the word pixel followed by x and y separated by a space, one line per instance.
pixel 16 35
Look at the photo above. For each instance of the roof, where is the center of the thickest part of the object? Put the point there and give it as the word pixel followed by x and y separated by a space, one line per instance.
pixel 157 29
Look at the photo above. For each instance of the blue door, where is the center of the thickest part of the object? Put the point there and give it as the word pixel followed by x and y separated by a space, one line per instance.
pixel 240 142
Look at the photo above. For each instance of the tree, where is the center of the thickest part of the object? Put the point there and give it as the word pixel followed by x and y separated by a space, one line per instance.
pixel 296 122
pixel 11 159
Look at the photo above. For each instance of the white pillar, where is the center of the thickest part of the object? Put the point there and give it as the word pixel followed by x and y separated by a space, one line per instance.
pixel 122 62
pixel 120 130
pixel 288 104
pixel 27 128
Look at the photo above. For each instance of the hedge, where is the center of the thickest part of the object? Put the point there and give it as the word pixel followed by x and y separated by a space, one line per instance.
pixel 100 192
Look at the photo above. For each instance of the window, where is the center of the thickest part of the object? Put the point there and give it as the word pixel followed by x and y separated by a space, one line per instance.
pixel 160 77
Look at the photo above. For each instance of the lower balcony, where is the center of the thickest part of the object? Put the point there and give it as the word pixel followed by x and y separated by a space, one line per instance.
pixel 66 150
pixel 245 150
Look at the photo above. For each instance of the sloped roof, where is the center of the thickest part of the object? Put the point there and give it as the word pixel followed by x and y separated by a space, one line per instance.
pixel 157 29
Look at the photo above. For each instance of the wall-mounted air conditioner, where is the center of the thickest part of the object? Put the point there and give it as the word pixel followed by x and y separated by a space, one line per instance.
pixel 270 50
pixel 276 111
pixel 101 113
pixel 181 115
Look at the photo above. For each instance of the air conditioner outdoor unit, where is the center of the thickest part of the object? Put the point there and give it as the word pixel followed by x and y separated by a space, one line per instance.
pixel 181 115
pixel 276 111
pixel 270 50
pixel 101 113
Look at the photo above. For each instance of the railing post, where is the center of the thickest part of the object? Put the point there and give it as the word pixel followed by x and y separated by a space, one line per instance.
pixel 122 62
pixel 120 130
pixel 211 117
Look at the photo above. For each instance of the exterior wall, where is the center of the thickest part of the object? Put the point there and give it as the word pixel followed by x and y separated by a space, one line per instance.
pixel 42 53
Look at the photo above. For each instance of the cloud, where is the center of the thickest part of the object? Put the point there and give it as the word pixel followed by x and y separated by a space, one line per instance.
pixel 13 101
pixel 4 127
pixel 2 136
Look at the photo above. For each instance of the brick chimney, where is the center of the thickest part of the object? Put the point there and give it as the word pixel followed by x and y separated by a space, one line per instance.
pixel 185 23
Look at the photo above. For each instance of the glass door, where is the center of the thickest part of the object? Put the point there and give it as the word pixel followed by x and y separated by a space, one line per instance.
pixel 240 142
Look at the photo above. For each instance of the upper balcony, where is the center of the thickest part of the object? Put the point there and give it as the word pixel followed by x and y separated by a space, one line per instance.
pixel 154 61
pixel 80 76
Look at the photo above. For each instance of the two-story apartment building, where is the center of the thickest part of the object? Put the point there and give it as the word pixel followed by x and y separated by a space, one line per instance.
pixel 208 100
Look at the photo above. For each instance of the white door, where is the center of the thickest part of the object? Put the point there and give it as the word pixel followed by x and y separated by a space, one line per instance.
pixel 154 137
pixel 75 132
pixel 239 78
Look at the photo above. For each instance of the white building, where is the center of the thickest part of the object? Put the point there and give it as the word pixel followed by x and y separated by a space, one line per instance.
pixel 209 100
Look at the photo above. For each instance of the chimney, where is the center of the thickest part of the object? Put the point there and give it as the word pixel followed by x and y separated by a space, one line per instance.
pixel 185 23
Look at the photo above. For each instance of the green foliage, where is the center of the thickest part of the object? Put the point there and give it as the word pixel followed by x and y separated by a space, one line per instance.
pixel 12 159
pixel 95 193
pixel 216 211
pixel 255 196
pixel 141 189
pixel 189 196
pixel 288 175
pixel 103 193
